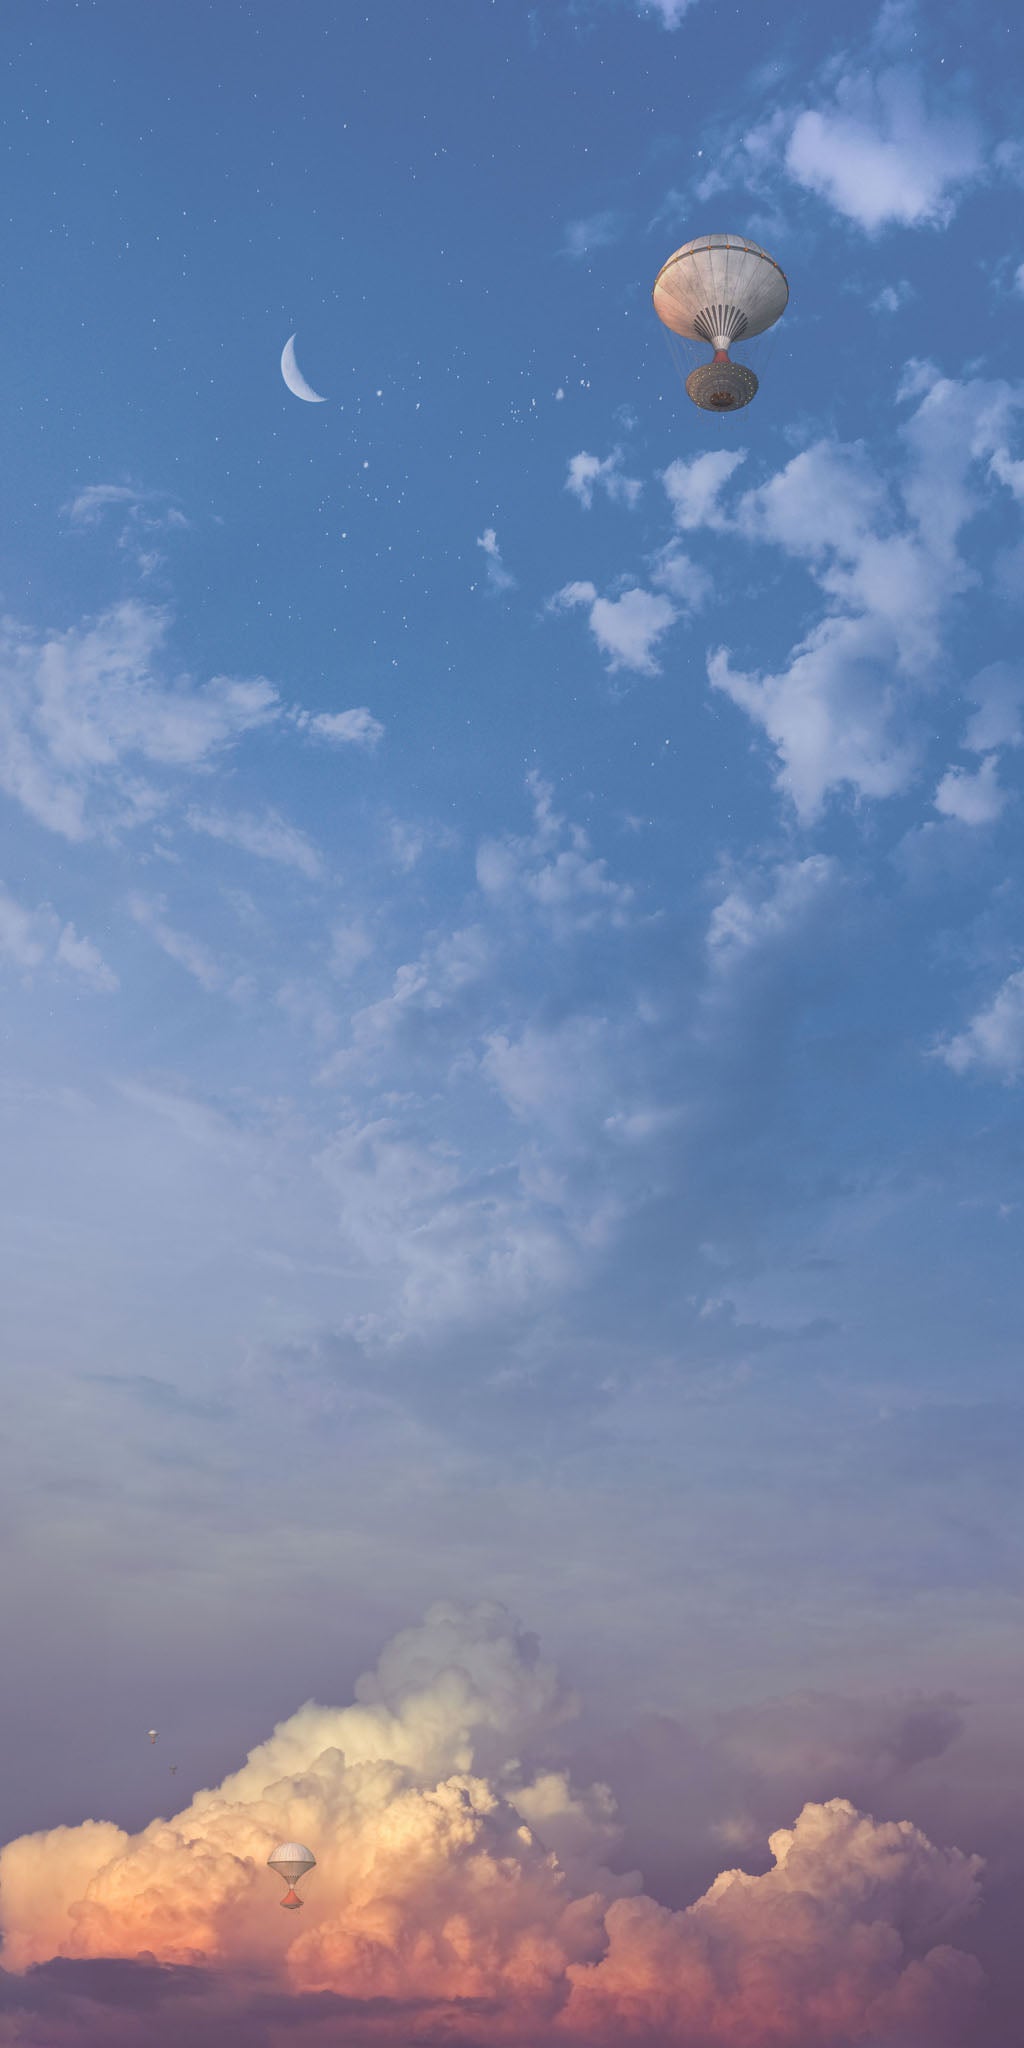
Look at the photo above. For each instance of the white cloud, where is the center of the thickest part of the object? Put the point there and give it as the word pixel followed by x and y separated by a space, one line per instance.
pixel 85 959
pixel 829 498
pixel 888 563
pixel 355 728
pixel 554 1078
pixel 597 231
pixel 422 991
pixel 408 841
pixel 351 944
pixel 454 1253
pixel 88 507
pixel 876 138
pixel 694 487
pixel 627 628
pixel 144 515
pixel 893 297
pixel 269 837
pixel 765 910
pixel 880 156
pixel 974 798
pixel 498 576
pixel 681 576
pixel 1009 471
pixel 431 1885
pixel 553 867
pixel 148 509
pixel 670 13
pixel 30 939
pixel 78 708
pixel 186 951
pixel 998 692
pixel 92 725
pixel 587 472
pixel 306 1005
pixel 994 1038
pixel 828 714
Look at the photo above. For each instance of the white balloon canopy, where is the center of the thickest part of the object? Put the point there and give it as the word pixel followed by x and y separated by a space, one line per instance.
pixel 291 1860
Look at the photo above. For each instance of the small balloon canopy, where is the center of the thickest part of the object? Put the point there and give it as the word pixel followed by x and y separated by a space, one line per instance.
pixel 291 1860
pixel 152 1733
pixel 720 289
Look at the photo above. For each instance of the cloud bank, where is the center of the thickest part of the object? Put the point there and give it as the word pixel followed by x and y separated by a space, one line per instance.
pixel 462 1881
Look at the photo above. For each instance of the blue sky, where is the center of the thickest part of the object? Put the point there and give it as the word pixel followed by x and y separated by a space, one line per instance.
pixel 512 930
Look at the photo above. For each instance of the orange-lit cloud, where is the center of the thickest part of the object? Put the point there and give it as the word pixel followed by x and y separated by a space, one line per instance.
pixel 450 1874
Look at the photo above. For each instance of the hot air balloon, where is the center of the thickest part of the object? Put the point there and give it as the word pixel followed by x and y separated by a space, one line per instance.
pixel 152 1733
pixel 720 289
pixel 291 1860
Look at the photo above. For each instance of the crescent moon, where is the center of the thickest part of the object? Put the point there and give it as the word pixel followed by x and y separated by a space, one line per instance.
pixel 294 378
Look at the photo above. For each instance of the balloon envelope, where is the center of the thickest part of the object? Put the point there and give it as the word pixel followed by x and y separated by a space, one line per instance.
pixel 719 288
pixel 291 1860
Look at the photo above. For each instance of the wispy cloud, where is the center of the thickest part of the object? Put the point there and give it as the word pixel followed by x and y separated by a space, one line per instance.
pixel 268 837
pixel 197 959
pixel 596 231
pixel 498 576
pixel 553 867
pixel 670 13
pixel 81 708
pixel 31 939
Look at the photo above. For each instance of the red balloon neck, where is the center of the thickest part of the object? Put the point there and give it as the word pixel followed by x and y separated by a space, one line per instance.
pixel 721 355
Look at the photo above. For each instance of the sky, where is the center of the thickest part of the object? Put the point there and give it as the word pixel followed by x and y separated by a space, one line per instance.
pixel 512 960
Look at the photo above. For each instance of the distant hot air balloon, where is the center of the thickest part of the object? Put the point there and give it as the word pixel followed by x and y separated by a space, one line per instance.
pixel 291 1860
pixel 720 289
pixel 173 1769
pixel 152 1732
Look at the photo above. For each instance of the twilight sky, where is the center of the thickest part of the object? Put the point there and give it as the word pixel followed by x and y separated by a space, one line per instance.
pixel 512 948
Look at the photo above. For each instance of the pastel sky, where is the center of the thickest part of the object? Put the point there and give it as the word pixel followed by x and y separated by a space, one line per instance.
pixel 512 958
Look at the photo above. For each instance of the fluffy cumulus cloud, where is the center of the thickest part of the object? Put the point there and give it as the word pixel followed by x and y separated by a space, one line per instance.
pixel 993 1042
pixel 881 155
pixel 972 795
pixel 627 628
pixel 465 1887
pixel 694 487
pixel 885 552
pixel 588 473
pixel 876 137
